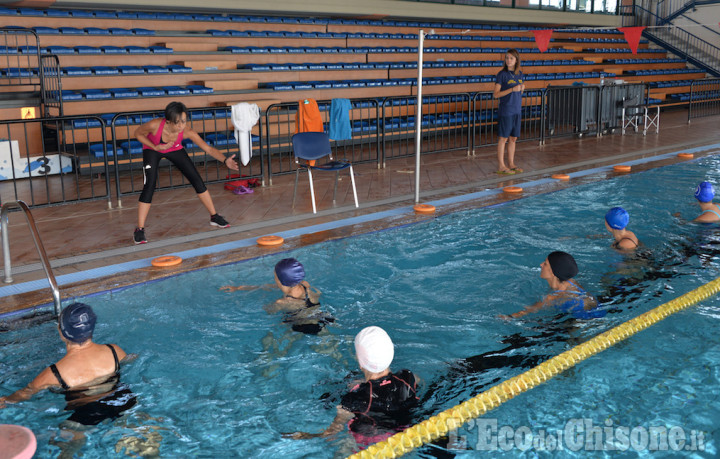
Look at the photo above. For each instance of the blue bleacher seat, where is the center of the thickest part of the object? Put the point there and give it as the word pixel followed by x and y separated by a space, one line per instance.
pixel 83 123
pixel 71 31
pixel 8 50
pixel 71 95
pixel 81 14
pixel 175 90
pixel 127 15
pixel 150 91
pixel 29 12
pixel 96 31
pixel 137 50
pixel 101 14
pixel 123 92
pixel 15 72
pixel 46 31
pixel 219 139
pixel 237 49
pixel 218 33
pixel 130 70
pixel 96 94
pixel 97 150
pixel 298 67
pixel 104 70
pixel 219 18
pixel 87 50
pixel 77 71
pixel 113 50
pixel 176 68
pixel 160 50
pixel 138 31
pixel 155 69
pixel 199 89
pixel 133 147
pixel 60 50
pixel 57 13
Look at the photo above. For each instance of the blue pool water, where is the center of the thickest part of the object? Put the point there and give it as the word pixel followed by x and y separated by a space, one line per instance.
pixel 216 376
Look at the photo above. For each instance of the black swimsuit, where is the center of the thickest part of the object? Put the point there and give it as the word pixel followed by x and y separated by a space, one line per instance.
pixel 111 404
pixel 616 244
pixel 310 323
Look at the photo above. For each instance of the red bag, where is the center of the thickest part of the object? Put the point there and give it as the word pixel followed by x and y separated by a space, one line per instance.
pixel 247 183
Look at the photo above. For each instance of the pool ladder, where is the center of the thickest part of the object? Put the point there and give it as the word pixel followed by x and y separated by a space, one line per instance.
pixel 38 245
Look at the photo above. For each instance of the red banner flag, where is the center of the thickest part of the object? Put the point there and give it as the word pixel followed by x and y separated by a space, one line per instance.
pixel 632 36
pixel 542 39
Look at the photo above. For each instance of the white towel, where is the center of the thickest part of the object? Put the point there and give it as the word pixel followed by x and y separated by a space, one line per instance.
pixel 244 117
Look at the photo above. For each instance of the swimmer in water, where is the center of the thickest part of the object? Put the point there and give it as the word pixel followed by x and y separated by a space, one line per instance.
pixel 705 193
pixel 616 221
pixel 380 405
pixel 88 375
pixel 559 269
pixel 300 302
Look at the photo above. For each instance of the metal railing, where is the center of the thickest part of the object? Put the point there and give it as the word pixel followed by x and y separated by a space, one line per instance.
pixel 704 98
pixel 484 118
pixel 38 245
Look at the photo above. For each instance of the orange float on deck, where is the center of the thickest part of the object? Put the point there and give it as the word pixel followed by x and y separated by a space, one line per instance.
pixel 622 168
pixel 561 177
pixel 512 189
pixel 685 155
pixel 269 241
pixel 424 208
pixel 166 261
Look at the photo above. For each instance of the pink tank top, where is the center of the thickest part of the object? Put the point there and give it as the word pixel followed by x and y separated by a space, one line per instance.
pixel 156 139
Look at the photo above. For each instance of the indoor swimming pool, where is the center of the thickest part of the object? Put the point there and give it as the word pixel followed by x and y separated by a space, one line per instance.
pixel 217 376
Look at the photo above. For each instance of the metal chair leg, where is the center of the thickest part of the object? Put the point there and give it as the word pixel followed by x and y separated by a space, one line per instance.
pixel 337 174
pixel 352 180
pixel 297 175
pixel 312 190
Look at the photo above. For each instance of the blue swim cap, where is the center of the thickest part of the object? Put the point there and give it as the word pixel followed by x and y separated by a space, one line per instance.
pixel 290 272
pixel 617 218
pixel 705 192
pixel 77 322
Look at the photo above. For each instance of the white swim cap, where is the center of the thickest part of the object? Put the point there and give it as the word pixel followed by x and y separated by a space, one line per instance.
pixel 374 349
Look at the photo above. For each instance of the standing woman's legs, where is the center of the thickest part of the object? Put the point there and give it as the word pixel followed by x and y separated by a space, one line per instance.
pixel 182 161
pixel 511 152
pixel 501 153
pixel 151 159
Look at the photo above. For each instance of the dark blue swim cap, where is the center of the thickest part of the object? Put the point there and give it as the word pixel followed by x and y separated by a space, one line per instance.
pixel 77 322
pixel 563 265
pixel 617 218
pixel 290 272
pixel 705 192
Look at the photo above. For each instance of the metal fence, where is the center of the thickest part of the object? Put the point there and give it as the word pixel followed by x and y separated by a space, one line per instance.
pixel 704 98
pixel 278 126
pixel 214 125
pixel 484 118
pixel 445 125
pixel 40 159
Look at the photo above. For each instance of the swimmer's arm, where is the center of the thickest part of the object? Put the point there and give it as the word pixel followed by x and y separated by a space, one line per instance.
pixel 590 303
pixel 341 418
pixel 212 151
pixel 246 288
pixel 528 310
pixel 41 382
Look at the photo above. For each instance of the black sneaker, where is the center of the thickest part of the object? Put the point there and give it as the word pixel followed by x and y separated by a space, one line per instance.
pixel 139 236
pixel 217 220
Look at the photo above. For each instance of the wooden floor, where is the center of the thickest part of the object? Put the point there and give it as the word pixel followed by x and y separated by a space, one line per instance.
pixel 87 235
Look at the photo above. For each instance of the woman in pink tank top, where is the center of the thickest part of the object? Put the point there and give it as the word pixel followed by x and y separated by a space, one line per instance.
pixel 162 138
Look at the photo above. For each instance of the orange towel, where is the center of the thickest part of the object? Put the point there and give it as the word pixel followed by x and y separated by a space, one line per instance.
pixel 308 117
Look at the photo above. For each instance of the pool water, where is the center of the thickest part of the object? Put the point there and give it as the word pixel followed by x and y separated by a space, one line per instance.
pixel 216 376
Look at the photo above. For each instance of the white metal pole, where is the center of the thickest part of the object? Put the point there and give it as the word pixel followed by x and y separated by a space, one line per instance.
pixel 418 115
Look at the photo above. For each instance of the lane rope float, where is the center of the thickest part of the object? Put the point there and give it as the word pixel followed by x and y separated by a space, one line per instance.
pixel 453 418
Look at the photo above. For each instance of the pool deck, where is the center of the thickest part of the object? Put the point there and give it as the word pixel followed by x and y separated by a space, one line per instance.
pixel 91 248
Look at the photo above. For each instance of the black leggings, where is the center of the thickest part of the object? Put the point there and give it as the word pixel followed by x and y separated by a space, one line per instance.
pixel 180 159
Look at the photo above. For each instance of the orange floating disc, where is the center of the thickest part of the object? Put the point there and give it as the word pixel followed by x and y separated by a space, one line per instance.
pixel 685 155
pixel 512 189
pixel 424 208
pixel 164 262
pixel 269 241
pixel 561 177
pixel 622 168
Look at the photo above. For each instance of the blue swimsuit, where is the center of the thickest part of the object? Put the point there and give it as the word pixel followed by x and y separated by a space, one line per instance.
pixel 576 304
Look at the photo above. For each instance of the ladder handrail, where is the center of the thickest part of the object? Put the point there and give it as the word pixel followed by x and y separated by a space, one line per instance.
pixel 38 245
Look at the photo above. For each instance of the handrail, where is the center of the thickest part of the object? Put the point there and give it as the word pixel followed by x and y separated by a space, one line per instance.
pixel 38 245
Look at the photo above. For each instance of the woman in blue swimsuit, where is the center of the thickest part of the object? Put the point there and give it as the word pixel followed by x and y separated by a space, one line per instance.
pixel 558 270
pixel 705 193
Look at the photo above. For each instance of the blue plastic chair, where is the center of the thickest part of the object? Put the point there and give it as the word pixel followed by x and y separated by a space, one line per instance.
pixel 312 146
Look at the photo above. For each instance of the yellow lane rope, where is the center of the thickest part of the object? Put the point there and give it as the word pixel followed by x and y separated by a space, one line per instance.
pixel 453 418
